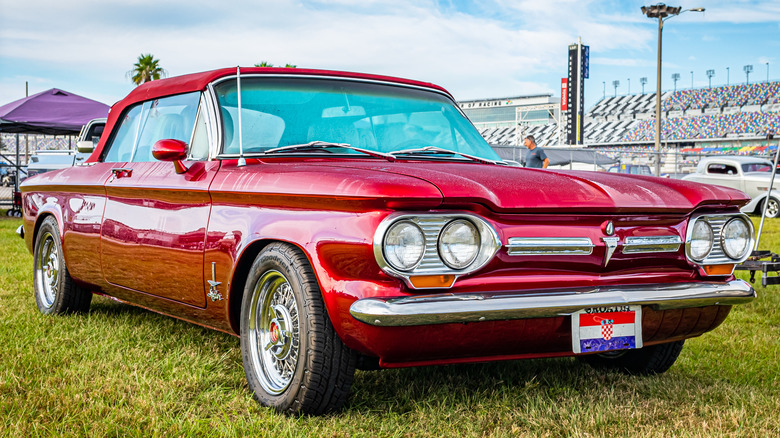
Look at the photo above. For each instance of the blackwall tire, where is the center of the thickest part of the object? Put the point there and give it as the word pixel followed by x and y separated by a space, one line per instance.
pixel 293 359
pixel 655 359
pixel 55 291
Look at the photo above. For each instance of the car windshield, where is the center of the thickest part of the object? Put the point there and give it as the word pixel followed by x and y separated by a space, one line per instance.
pixel 278 112
pixel 756 167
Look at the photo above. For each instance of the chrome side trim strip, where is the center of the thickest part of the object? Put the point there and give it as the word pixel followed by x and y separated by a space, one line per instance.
pixel 475 307
pixel 549 245
pixel 643 244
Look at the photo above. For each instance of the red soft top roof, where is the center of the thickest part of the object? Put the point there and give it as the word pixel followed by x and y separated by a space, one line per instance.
pixel 199 81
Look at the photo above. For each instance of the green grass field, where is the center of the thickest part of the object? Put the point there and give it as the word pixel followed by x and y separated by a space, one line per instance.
pixel 124 371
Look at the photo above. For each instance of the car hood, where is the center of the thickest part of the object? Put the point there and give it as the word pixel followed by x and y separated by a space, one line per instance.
pixel 511 189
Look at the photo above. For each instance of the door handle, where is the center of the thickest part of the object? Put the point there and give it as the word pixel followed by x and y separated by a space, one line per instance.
pixel 120 172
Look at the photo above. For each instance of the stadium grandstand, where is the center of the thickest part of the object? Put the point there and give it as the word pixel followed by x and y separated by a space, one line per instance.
pixel 732 118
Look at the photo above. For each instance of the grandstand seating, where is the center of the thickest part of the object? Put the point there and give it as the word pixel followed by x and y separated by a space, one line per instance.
pixel 736 111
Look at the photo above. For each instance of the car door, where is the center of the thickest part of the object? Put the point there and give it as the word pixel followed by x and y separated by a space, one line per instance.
pixel 154 225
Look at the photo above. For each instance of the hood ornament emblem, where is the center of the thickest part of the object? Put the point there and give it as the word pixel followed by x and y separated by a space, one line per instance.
pixel 608 228
pixel 611 244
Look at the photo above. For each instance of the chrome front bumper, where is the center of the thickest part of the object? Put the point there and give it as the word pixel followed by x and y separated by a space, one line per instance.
pixel 475 307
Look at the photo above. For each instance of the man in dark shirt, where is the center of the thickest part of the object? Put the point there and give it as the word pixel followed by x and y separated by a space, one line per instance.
pixel 535 156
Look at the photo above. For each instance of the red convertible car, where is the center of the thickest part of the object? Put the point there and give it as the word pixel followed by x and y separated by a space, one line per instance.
pixel 337 220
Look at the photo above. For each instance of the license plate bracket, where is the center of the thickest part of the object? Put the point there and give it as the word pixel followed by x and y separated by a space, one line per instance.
pixel 609 328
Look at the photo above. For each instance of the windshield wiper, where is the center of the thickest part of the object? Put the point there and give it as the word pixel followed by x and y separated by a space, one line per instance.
pixel 432 150
pixel 326 145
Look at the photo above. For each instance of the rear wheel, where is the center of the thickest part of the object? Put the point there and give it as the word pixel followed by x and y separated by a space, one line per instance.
pixel 772 208
pixel 293 358
pixel 55 291
pixel 655 359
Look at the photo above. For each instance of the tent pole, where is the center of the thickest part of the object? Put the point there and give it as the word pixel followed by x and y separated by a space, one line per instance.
pixel 18 166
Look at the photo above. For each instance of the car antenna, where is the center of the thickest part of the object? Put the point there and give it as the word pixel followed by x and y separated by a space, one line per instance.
pixel 241 159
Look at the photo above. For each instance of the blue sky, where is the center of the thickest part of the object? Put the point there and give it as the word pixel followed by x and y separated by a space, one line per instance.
pixel 486 49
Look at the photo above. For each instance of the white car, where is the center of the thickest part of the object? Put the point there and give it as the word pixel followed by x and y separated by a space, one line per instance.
pixel 749 174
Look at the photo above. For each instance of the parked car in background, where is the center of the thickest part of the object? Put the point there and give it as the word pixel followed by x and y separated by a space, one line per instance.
pixel 89 137
pixel 748 174
pixel 47 160
pixel 336 220
pixel 633 169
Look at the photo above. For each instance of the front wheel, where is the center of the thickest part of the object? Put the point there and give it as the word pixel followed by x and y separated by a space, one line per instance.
pixel 655 359
pixel 55 291
pixel 293 359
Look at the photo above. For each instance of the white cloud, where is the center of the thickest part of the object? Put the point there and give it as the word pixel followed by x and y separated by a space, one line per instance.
pixel 494 48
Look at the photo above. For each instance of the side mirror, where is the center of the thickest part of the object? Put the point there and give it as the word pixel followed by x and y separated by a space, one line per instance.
pixel 171 150
pixel 85 146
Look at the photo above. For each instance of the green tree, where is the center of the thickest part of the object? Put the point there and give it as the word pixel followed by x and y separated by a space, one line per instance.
pixel 268 64
pixel 146 69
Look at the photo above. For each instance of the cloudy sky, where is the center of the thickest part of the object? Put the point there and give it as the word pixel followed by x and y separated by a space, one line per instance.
pixel 485 49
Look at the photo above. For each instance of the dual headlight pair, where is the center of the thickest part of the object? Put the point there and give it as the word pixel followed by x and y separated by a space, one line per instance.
pixel 439 245
pixel 458 244
pixel 719 239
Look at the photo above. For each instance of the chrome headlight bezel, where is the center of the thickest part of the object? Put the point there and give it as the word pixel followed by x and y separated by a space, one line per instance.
pixel 748 242
pixel 717 255
pixel 432 226
pixel 704 227
pixel 397 261
pixel 446 253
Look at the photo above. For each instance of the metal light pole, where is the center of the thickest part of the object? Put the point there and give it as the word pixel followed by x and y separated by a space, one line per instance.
pixel 727 76
pixel 615 84
pixel 710 74
pixel 604 91
pixel 643 81
pixel 661 12
pixel 767 72
pixel 629 85
pixel 675 78
pixel 691 79
pixel 748 69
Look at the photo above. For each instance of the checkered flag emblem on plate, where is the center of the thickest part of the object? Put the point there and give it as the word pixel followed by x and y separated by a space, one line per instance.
pixel 606 329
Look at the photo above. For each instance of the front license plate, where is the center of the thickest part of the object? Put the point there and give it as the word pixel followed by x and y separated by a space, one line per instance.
pixel 606 329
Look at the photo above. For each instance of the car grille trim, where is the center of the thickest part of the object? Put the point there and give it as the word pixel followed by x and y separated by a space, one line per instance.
pixel 650 244
pixel 549 246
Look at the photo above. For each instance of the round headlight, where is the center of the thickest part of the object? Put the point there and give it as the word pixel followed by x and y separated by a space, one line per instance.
pixel 735 238
pixel 404 245
pixel 459 244
pixel 701 240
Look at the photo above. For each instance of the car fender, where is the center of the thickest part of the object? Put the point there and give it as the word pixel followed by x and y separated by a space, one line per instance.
pixel 756 202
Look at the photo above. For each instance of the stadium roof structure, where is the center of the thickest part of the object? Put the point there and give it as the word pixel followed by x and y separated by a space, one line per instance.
pixel 53 112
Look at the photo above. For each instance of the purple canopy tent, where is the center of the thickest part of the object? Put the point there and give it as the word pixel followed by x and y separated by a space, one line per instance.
pixel 53 112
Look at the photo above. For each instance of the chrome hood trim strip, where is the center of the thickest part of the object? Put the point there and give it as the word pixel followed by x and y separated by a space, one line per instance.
pixel 645 244
pixel 549 245
pixel 474 307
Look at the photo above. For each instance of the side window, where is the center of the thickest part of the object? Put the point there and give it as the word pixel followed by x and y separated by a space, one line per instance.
pixel 199 149
pixel 169 117
pixel 721 169
pixel 121 147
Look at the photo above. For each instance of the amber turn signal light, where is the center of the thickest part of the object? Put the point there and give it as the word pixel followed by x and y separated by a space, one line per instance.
pixel 430 281
pixel 718 269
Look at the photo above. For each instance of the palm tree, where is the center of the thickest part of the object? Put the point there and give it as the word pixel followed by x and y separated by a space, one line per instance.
pixel 146 69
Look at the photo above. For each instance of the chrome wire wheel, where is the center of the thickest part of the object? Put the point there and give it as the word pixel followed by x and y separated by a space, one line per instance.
pixel 274 332
pixel 47 270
